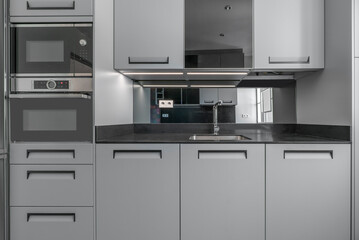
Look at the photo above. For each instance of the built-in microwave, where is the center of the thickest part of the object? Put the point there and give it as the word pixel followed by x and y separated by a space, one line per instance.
pixel 51 50
pixel 44 117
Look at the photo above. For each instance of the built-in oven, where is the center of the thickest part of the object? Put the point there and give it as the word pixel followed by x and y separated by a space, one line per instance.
pixel 47 117
pixel 55 50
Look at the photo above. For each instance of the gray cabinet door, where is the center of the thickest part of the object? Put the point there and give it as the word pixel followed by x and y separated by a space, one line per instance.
pixel 308 192
pixel 228 96
pixel 288 34
pixel 208 96
pixel 149 34
pixel 137 191
pixel 51 153
pixel 55 223
pixel 222 191
pixel 21 8
pixel 51 185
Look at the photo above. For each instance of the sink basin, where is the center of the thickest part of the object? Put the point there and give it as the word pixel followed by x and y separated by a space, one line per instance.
pixel 218 138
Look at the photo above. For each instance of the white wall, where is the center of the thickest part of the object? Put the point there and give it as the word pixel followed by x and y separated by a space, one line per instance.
pixel 141 104
pixel 325 97
pixel 246 105
pixel 113 92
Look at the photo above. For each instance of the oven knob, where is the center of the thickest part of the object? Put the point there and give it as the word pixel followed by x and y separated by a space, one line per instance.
pixel 83 42
pixel 51 84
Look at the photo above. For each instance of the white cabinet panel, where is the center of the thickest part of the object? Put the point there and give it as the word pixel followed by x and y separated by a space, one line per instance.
pixel 308 192
pixel 222 191
pixel 149 34
pixel 21 8
pixel 137 191
pixel 288 34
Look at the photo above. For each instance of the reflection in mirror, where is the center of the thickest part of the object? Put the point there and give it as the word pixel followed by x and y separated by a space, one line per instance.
pixel 218 33
pixel 193 105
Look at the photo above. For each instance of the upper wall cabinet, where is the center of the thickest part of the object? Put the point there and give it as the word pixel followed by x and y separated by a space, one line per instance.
pixel 48 8
pixel 149 34
pixel 288 34
pixel 218 34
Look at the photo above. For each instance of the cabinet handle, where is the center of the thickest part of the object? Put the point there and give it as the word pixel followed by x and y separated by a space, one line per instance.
pixel 289 60
pixel 137 154
pixel 208 101
pixel 227 101
pixel 208 154
pixel 294 154
pixel 63 154
pixel 51 217
pixel 65 175
pixel 148 60
pixel 29 7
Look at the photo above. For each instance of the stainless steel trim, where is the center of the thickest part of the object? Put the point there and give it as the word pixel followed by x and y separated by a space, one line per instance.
pixel 50 75
pixel 76 85
pixel 83 24
pixel 83 74
pixel 43 25
pixel 53 95
pixel 289 60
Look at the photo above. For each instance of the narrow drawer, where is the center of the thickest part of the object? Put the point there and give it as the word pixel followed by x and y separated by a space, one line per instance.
pixel 32 223
pixel 51 7
pixel 51 153
pixel 53 185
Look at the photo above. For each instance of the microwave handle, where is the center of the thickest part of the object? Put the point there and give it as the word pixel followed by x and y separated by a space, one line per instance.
pixel 68 95
pixel 29 7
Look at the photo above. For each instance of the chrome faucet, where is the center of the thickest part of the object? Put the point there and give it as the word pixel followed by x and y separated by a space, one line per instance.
pixel 215 117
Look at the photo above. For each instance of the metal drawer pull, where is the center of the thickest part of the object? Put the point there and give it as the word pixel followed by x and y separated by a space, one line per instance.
pixel 208 101
pixel 62 154
pixel 292 154
pixel 208 154
pixel 289 60
pixel 39 175
pixel 148 60
pixel 42 7
pixel 137 154
pixel 51 217
pixel 227 101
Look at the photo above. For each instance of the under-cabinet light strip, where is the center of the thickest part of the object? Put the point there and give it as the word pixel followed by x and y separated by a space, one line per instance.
pixel 165 86
pixel 213 86
pixel 218 73
pixel 153 73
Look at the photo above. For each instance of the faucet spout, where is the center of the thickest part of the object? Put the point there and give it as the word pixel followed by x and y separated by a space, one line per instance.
pixel 215 117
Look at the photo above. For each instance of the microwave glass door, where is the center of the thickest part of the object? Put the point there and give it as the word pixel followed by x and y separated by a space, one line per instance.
pixel 58 49
pixel 51 119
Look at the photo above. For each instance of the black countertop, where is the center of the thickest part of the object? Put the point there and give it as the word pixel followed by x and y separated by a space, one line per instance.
pixel 257 133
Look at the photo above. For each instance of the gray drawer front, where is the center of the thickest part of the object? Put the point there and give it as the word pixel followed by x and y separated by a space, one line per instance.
pixel 51 7
pixel 51 223
pixel 51 153
pixel 53 185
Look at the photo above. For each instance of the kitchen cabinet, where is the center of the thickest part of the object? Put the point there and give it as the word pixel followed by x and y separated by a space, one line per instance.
pixel 55 223
pixel 209 96
pixel 46 8
pixel 222 191
pixel 137 191
pixel 308 191
pixel 149 34
pixel 356 28
pixel 288 34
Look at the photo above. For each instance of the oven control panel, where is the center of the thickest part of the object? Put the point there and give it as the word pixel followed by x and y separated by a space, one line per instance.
pixel 51 84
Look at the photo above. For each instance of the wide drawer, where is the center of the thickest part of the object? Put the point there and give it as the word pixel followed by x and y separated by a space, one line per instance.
pixel 32 223
pixel 53 185
pixel 51 153
pixel 51 7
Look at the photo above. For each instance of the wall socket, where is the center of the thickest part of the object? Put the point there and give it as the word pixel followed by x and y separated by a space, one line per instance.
pixel 245 116
pixel 165 103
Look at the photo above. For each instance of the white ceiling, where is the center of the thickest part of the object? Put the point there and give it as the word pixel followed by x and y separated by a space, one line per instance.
pixel 207 19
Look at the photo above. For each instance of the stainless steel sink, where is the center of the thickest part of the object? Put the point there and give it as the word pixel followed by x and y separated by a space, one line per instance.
pixel 218 138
